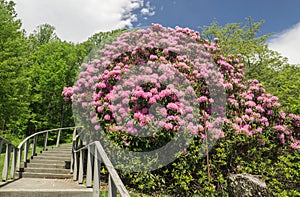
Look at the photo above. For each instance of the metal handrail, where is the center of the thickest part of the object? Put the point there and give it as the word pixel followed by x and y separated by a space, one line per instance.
pixel 9 148
pixel 96 152
pixel 26 143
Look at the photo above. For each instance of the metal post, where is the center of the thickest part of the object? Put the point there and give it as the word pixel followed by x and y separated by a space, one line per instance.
pixel 26 153
pixel 80 180
pixel 19 160
pixel 13 163
pixel 6 162
pixel 46 141
pixel 89 167
pixel 96 188
pixel 34 146
pixel 58 138
pixel 112 190
pixel 75 172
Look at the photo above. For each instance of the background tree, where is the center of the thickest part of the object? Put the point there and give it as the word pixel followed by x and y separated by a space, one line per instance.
pixel 14 79
pixel 262 63
pixel 54 66
pixel 98 41
pixel 43 34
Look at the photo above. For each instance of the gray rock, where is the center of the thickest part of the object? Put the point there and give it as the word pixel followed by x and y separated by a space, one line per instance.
pixel 247 185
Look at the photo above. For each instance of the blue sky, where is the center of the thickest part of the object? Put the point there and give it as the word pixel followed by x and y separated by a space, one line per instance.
pixel 76 20
pixel 279 15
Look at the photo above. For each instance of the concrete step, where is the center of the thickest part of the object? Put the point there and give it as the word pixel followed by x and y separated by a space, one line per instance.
pixel 47 161
pixel 29 187
pixel 52 157
pixel 47 193
pixel 45 165
pixel 66 153
pixel 56 152
pixel 46 175
pixel 48 170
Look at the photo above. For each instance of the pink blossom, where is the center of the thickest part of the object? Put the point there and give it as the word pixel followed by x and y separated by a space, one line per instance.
pixel 107 117
pixel 97 127
pixel 153 57
pixel 259 108
pixel 249 111
pixel 94 120
pixel 250 104
pixel 152 100
pixel 202 136
pixel 258 130
pixel 168 126
pixel 84 104
pixel 189 116
pixel 296 145
pixel 279 128
pixel 283 115
pixel 172 106
pixel 101 85
pixel 202 99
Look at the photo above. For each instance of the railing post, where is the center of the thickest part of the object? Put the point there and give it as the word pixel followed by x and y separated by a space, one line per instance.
pixel 26 153
pixel 46 141
pixel 72 157
pixel 34 146
pixel 13 163
pixel 74 132
pixel 97 166
pixel 1 142
pixel 89 175
pixel 58 137
pixel 19 160
pixel 6 162
pixel 75 172
pixel 80 180
pixel 112 190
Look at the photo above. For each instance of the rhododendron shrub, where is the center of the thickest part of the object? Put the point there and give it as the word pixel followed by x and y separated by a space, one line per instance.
pixel 151 85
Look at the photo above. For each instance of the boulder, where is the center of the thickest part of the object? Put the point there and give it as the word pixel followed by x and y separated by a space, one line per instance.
pixel 247 185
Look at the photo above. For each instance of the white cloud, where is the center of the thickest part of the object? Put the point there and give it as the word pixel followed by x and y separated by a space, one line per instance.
pixel 76 20
pixel 288 44
pixel 148 10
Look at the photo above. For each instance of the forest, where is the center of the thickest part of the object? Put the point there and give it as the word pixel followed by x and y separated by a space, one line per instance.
pixel 35 68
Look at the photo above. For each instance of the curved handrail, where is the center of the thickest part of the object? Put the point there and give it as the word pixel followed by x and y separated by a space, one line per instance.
pixel 114 182
pixel 34 136
pixel 6 141
pixel 9 148
pixel 43 132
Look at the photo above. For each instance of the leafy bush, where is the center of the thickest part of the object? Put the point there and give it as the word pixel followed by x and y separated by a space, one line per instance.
pixel 152 86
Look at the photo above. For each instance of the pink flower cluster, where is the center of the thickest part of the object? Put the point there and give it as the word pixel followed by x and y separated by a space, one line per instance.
pixel 157 77
pixel 67 93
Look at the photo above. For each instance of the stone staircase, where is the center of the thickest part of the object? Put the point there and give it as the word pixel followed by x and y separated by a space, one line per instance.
pixel 46 175
pixel 51 164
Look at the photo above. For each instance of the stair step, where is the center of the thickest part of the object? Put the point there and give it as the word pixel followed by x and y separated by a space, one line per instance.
pixel 46 193
pixel 52 157
pixel 46 175
pixel 30 187
pixel 47 161
pixel 45 165
pixel 57 153
pixel 48 170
